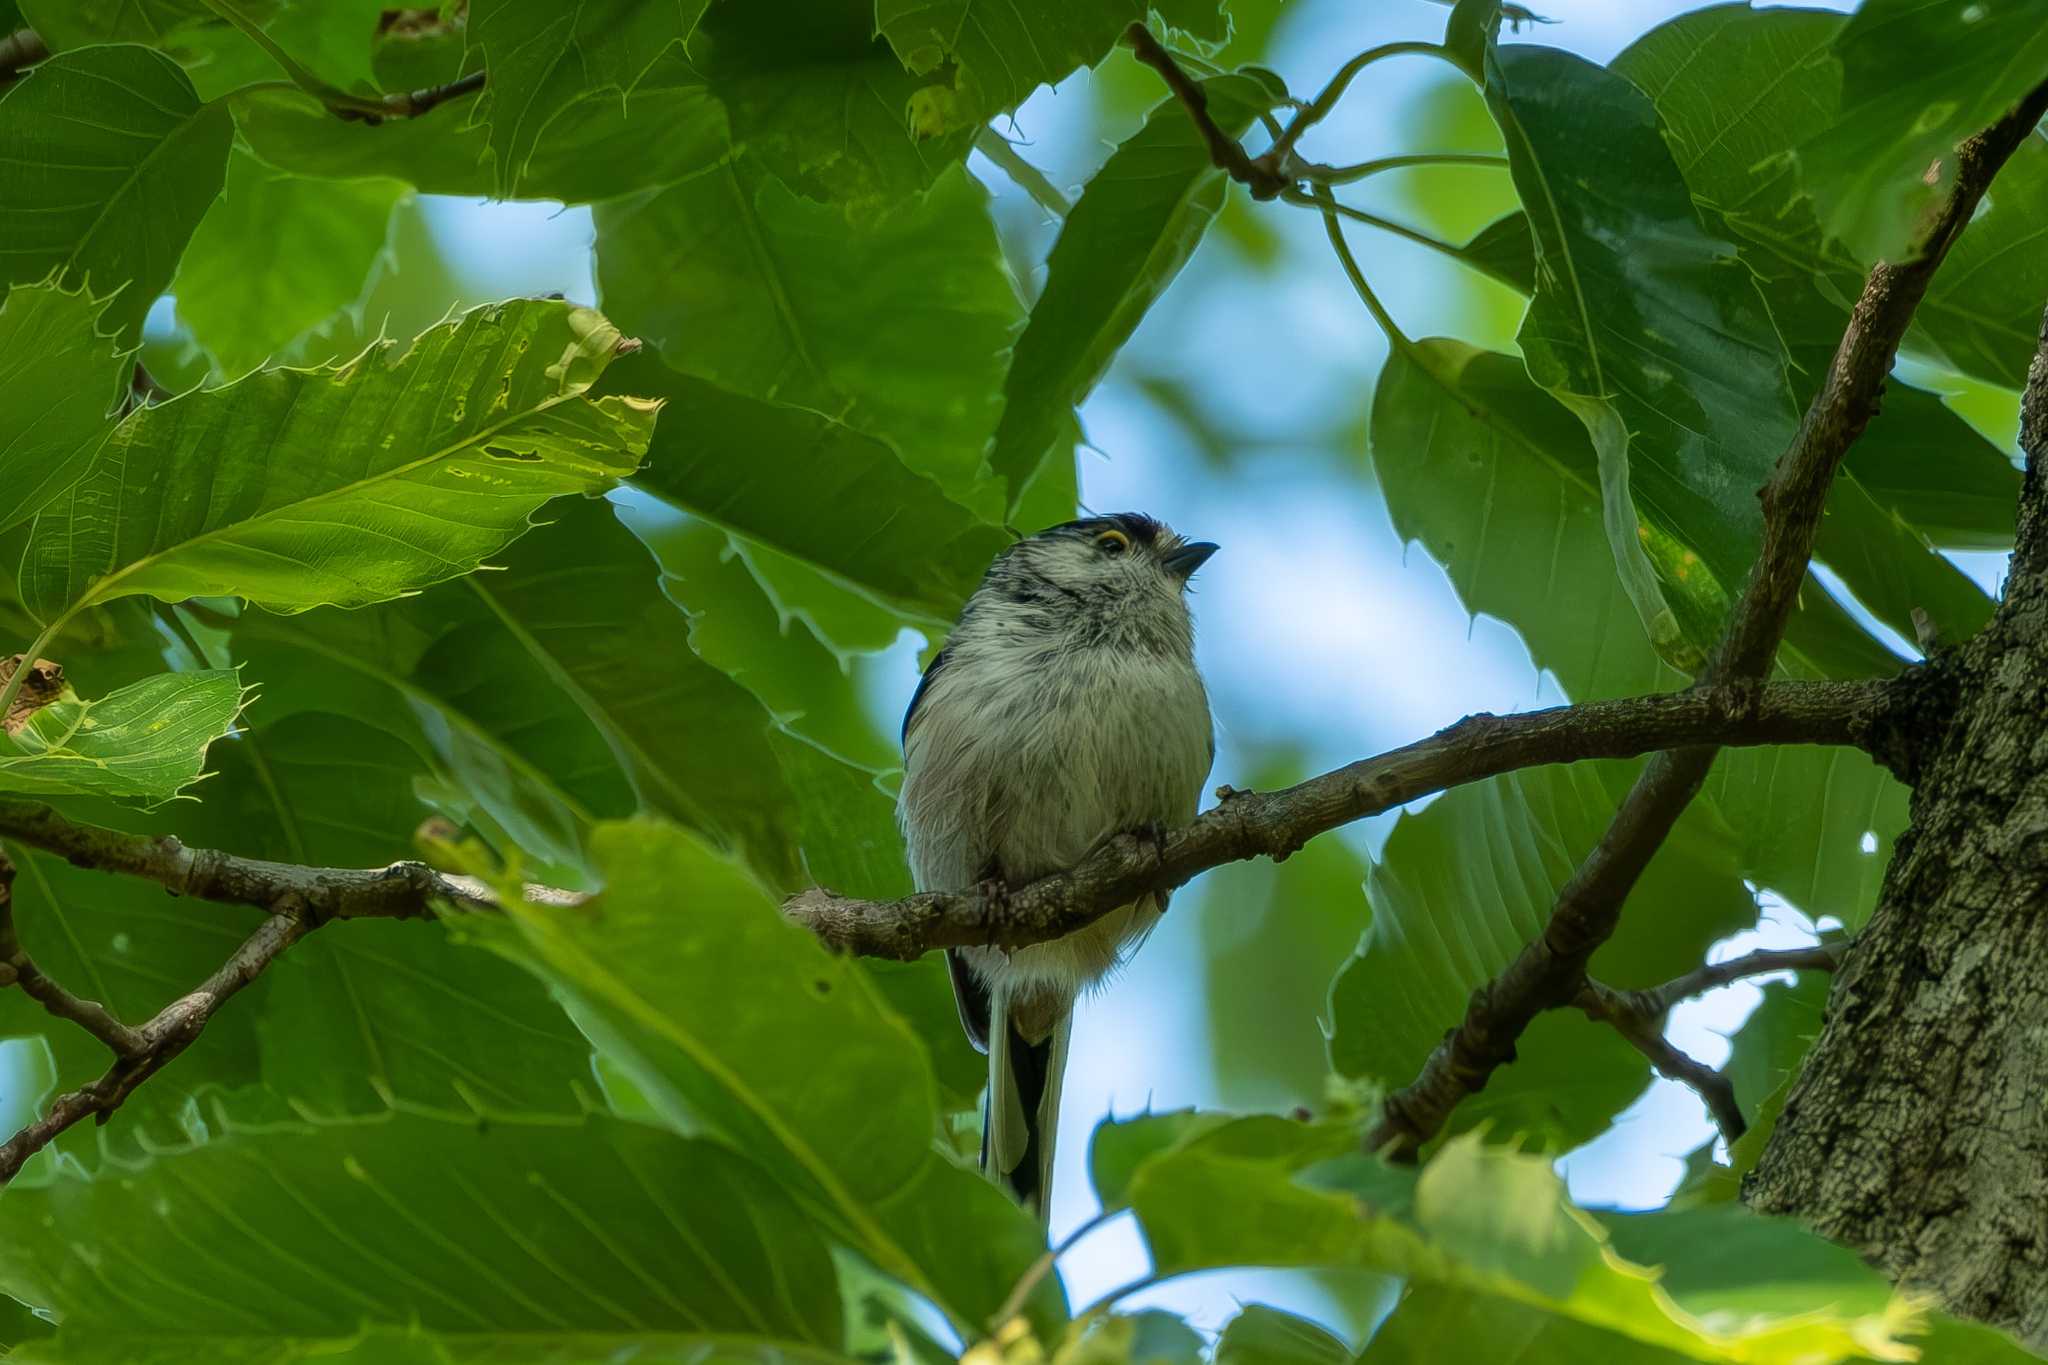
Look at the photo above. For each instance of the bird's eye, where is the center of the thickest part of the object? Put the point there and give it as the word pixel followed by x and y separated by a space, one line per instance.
pixel 1113 542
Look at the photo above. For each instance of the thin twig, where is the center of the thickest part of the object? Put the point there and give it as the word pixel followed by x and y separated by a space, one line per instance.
pixel 1639 1016
pixel 410 104
pixel 18 969
pixel 1022 173
pixel 159 1041
pixel 1549 972
pixel 1228 154
pixel 1349 175
pixel 1319 108
pixel 404 890
pixel 1274 824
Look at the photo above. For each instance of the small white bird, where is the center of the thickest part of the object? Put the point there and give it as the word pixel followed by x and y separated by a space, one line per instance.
pixel 1064 709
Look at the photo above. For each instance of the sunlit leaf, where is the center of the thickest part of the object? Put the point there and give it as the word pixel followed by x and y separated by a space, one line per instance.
pixel 145 742
pixel 59 379
pixel 276 256
pixel 301 488
pixel 106 199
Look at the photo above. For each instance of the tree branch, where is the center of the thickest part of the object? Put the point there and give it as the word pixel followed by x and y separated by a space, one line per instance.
pixel 175 1028
pixel 408 104
pixel 1550 971
pixel 405 890
pixel 1264 180
pixel 1639 1017
pixel 1247 824
pixel 18 969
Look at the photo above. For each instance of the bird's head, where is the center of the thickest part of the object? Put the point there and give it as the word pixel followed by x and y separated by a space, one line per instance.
pixel 1121 562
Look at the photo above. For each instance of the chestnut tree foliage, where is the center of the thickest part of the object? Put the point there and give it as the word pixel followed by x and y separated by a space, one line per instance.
pixel 568 597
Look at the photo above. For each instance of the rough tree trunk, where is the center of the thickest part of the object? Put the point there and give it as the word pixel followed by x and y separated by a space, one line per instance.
pixel 1917 1132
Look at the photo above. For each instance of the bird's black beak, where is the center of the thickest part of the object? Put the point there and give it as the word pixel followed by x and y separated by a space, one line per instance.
pixel 1190 557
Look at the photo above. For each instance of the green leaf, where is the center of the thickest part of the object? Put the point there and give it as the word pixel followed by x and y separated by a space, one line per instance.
pixel 740 282
pixel 1487 1231
pixel 276 256
pixel 543 56
pixel 1134 227
pixel 59 380
pixel 811 487
pixel 598 1237
pixel 302 488
pixel 584 602
pixel 1646 326
pixel 824 106
pixel 108 200
pixel 1918 76
pixel 1738 157
pixel 479 701
pixel 1432 1323
pixel 732 1021
pixel 1921 464
pixel 1457 892
pixel 386 1012
pixel 1892 570
pixel 1259 1335
pixel 1000 51
pixel 595 146
pixel 145 742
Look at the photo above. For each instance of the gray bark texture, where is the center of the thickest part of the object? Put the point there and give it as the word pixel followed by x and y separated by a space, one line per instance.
pixel 1917 1131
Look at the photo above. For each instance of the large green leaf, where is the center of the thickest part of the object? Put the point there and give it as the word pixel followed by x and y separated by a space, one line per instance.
pixel 542 56
pixel 811 487
pixel 1646 326
pixel 1000 51
pixel 730 1020
pixel 1737 156
pixel 768 295
pixel 1918 76
pixel 443 671
pixel 106 197
pixel 145 742
pixel 302 488
pixel 276 256
pixel 383 1011
pixel 584 601
pixel 594 1237
pixel 1483 1230
pixel 823 104
pixel 1134 227
pixel 59 379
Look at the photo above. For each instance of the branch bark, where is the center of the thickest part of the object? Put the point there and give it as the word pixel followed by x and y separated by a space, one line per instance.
pixel 157 1043
pixel 1915 1133
pixel 1275 824
pixel 1639 1017
pixel 1551 970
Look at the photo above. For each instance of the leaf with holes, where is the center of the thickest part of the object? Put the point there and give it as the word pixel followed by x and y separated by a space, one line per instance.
pixel 305 488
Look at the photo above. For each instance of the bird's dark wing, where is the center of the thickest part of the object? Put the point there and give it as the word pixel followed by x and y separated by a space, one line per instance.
pixel 972 999
pixel 923 686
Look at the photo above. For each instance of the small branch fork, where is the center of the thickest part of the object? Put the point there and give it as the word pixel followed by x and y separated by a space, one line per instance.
pixel 139 1053
pixel 1638 1016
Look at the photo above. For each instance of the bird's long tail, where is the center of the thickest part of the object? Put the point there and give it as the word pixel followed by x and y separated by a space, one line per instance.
pixel 1023 1108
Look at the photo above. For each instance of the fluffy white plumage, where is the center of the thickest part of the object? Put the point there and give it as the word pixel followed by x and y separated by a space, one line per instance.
pixel 1065 708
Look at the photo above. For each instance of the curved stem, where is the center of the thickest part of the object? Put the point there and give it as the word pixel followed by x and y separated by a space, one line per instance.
pixel 1330 207
pixel 1319 108
pixel 1347 175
